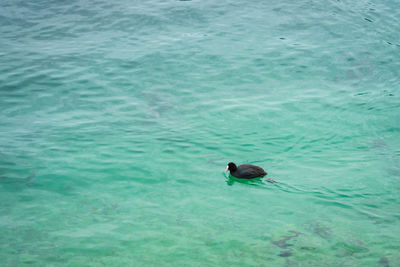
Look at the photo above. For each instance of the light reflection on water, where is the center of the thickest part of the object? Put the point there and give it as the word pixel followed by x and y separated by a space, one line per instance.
pixel 117 120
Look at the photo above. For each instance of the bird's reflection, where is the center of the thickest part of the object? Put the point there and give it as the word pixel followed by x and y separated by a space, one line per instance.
pixel 259 181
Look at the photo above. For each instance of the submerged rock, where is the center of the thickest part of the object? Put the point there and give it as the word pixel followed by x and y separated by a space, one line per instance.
pixel 384 262
pixel 285 253
pixel 283 243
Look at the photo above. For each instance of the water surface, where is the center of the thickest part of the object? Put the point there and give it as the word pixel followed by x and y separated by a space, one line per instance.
pixel 118 118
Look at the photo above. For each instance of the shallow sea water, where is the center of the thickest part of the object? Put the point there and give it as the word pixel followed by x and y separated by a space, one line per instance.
pixel 117 120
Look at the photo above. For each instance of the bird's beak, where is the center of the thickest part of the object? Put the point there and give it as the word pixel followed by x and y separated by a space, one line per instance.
pixel 227 168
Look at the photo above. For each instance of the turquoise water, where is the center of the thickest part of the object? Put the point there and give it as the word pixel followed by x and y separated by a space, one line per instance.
pixel 118 118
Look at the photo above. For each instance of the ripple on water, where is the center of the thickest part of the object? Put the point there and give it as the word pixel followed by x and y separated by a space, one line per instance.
pixel 117 121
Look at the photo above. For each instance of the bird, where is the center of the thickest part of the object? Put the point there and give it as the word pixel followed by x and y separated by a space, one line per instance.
pixel 245 171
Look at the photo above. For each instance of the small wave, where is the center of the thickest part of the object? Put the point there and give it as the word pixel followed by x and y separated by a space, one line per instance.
pixel 13 180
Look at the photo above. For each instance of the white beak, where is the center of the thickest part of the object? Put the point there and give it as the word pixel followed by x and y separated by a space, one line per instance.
pixel 227 168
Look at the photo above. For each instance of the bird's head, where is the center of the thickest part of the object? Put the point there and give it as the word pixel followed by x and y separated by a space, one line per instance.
pixel 231 167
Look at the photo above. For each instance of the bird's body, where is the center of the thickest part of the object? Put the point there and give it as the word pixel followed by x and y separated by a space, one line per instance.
pixel 245 171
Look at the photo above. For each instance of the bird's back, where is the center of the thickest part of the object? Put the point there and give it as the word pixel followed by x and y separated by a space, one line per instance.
pixel 249 171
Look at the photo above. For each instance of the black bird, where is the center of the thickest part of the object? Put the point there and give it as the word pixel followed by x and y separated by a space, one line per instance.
pixel 245 171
